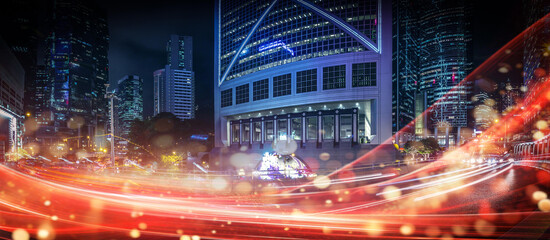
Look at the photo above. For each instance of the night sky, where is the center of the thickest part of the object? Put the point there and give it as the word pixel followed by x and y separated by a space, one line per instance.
pixel 139 32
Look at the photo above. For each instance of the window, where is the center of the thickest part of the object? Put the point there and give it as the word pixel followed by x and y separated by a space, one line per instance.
pixel 227 97
pixel 334 77
pixel 363 74
pixel 311 127
pixel 345 126
pixel 282 129
pixel 282 85
pixel 306 81
pixel 296 128
pixel 235 129
pixel 260 90
pixel 328 127
pixel 241 94
pixel 269 130
pixel 257 132
pixel 246 132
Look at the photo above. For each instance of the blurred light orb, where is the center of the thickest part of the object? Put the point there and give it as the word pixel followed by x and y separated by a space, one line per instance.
pixel 503 70
pixel 523 88
pixel 47 203
pixel 407 229
pixel 433 231
pixel 185 237
pixel 324 156
pixel 134 233
pixel 538 135
pixel 285 147
pixel 195 237
pixel 374 228
pixel 219 183
pixel 459 230
pixel 42 233
pixel 54 218
pixel 484 228
pixel 142 226
pixel 20 234
pixel 240 160
pixel 544 205
pixel 391 192
pixel 542 124
pixel 243 188
pixel 321 182
pixel 539 195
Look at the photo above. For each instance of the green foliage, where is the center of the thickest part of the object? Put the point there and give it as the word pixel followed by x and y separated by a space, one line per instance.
pixel 425 147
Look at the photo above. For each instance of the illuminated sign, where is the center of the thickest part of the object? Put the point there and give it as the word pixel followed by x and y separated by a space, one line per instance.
pixel 275 44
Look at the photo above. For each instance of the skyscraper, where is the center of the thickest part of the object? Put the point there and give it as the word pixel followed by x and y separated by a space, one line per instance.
pixel 314 74
pixel 445 61
pixel 174 86
pixel 77 61
pixel 536 52
pixel 405 66
pixel 432 56
pixel 130 103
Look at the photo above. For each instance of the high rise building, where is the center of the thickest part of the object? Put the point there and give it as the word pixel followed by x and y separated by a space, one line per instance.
pixel 130 103
pixel 317 75
pixel 159 93
pixel 78 64
pixel 405 66
pixel 12 80
pixel 174 86
pixel 536 50
pixel 180 52
pixel 446 60
pixel 432 55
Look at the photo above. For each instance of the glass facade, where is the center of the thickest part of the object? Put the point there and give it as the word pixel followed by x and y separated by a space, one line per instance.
pixel 334 77
pixel 257 132
pixel 312 127
pixel 289 32
pixel 328 127
pixel 296 128
pixel 227 97
pixel 269 131
pixel 282 85
pixel 241 94
pixel 260 89
pixel 282 127
pixel 306 81
pixel 363 74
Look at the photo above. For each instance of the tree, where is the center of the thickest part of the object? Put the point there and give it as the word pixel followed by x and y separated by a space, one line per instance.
pixel 429 146
pixel 412 148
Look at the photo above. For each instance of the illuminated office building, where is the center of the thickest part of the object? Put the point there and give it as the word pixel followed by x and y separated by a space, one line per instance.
pixel 405 67
pixel 174 85
pixel 446 60
pixel 316 73
pixel 130 103
pixel 77 61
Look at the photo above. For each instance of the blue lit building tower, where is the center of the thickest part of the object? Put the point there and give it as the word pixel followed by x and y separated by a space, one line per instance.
pixel 405 66
pixel 445 60
pixel 78 64
pixel 130 103
pixel 174 86
pixel 312 75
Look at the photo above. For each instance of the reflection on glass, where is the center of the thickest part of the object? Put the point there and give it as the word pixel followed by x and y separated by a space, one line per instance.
pixel 269 130
pixel 311 128
pixel 246 132
pixel 328 127
pixel 235 132
pixel 345 126
pixel 296 127
pixel 257 132
pixel 282 129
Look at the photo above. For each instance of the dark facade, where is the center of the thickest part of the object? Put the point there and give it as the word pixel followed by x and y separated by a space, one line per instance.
pixel 130 103
pixel 405 65
pixel 433 54
pixel 77 61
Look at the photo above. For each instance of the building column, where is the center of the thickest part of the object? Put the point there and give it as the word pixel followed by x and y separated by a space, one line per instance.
pixel 457 143
pixel 304 130
pixel 319 129
pixel 337 127
pixel 447 137
pixel 354 126
pixel 240 132
pixel 263 132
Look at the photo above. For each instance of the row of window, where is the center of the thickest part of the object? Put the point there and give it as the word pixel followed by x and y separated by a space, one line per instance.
pixel 334 77
pixel 281 130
